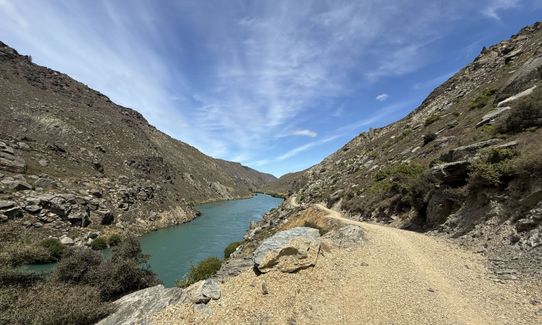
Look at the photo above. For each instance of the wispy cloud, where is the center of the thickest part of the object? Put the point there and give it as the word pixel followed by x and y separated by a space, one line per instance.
pixel 382 97
pixel 305 147
pixel 494 6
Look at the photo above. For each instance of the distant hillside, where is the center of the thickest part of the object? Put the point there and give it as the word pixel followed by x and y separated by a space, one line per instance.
pixel 286 184
pixel 70 157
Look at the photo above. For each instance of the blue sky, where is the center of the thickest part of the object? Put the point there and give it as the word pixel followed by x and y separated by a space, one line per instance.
pixel 276 85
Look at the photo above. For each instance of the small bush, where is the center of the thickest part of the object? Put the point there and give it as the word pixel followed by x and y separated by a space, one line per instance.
pixel 204 270
pixel 527 115
pixel 429 138
pixel 431 119
pixel 232 247
pixel 98 244
pixel 113 279
pixel 54 247
pixel 482 100
pixel 492 167
pixel 76 265
pixel 114 240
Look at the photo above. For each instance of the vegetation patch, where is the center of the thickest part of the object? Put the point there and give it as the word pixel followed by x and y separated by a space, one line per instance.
pixel 483 99
pixel 232 247
pixel 526 115
pixel 492 167
pixel 429 137
pixel 432 119
pixel 98 244
pixel 114 240
pixel 204 270
pixel 54 247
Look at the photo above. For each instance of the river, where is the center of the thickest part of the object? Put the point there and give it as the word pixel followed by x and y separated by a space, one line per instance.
pixel 173 250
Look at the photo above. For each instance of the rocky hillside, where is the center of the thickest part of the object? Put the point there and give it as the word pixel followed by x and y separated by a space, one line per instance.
pixel 285 184
pixel 72 162
pixel 467 162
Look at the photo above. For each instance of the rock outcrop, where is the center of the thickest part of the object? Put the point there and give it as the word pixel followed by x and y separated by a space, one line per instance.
pixel 288 251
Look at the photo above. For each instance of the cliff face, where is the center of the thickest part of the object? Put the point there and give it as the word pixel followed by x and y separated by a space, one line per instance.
pixel 467 162
pixel 71 158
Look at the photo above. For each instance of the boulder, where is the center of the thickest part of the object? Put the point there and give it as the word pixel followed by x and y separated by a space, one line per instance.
pixel 13 213
pixel 453 173
pixel 45 183
pixel 140 306
pixel 106 217
pixel 11 163
pixel 288 251
pixel 466 151
pixel 346 236
pixel 32 208
pixel 522 94
pixel 203 291
pixel 6 204
pixel 65 240
pixel 524 77
pixel 491 116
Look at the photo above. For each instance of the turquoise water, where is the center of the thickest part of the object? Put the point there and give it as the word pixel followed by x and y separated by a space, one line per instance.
pixel 174 250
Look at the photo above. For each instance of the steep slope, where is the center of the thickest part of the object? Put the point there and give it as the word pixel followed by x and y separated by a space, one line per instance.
pixel 467 162
pixel 71 158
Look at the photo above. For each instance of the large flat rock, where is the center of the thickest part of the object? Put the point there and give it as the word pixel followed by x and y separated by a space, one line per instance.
pixel 288 251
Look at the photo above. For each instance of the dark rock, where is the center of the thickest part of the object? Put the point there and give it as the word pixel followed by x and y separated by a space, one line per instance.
pixel 106 217
pixel 58 206
pixel 453 173
pixel 96 164
pixel 80 216
pixel 526 224
pixel 14 213
pixel 45 183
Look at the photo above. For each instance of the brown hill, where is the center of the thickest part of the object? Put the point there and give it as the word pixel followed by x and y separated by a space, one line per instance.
pixel 70 157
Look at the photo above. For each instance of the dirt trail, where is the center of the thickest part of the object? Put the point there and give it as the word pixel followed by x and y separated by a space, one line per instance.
pixel 395 277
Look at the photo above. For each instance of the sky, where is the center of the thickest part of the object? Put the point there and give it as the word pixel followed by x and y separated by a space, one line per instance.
pixel 276 85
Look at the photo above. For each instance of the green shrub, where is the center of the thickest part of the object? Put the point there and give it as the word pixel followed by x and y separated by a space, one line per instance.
pixel 429 137
pixel 114 240
pixel 76 265
pixel 527 115
pixel 482 100
pixel 113 279
pixel 492 167
pixel 54 247
pixel 431 119
pixel 98 244
pixel 399 170
pixel 204 270
pixel 231 248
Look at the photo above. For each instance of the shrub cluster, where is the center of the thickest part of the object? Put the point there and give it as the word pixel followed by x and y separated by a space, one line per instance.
pixel 98 244
pixel 528 114
pixel 492 167
pixel 204 270
pixel 432 119
pixel 482 100
pixel 231 248
pixel 79 289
